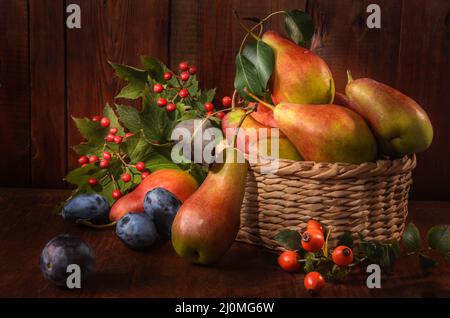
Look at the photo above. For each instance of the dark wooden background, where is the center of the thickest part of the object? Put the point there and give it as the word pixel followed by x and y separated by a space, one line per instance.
pixel 49 72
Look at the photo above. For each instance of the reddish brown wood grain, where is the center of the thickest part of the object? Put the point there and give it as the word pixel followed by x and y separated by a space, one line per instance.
pixel 14 94
pixel 344 41
pixel 424 74
pixel 48 108
pixel 115 30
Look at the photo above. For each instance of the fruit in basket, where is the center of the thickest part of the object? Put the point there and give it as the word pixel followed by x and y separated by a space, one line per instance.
pixel 250 136
pixel 192 128
pixel 327 133
pixel 162 206
pixel 136 230
pixel 264 116
pixel 179 182
pixel 87 206
pixel 314 224
pixel 286 149
pixel 400 125
pixel 62 251
pixel 300 76
pixel 207 223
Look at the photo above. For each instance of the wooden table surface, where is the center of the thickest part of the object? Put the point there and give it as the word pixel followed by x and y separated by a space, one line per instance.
pixel 246 271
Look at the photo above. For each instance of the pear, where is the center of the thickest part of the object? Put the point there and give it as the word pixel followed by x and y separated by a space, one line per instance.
pixel 400 125
pixel 207 223
pixel 327 133
pixel 300 76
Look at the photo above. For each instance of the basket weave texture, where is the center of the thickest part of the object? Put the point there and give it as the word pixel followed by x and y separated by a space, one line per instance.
pixel 370 198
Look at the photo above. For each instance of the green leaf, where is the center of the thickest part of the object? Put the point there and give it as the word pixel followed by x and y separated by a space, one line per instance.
pixel 154 67
pixel 346 239
pixel 309 263
pixel 426 263
pixel 262 57
pixel 439 239
pixel 129 117
pixel 199 172
pixel 129 73
pixel 137 148
pixel 411 238
pixel 131 91
pixel 246 77
pixel 158 161
pixel 207 96
pixel 299 25
pixel 289 239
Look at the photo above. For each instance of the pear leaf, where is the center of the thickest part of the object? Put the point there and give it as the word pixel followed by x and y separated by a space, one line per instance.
pixel 300 26
pixel 439 239
pixel 411 238
pixel 246 79
pixel 262 57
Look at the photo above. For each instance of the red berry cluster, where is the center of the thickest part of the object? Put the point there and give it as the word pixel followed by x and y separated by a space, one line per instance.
pixel 312 240
pixel 107 156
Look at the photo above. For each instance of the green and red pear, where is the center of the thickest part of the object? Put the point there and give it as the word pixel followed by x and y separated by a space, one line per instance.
pixel 400 124
pixel 299 76
pixel 207 223
pixel 327 133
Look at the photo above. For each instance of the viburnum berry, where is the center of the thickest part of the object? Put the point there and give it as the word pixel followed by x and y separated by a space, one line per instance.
pixel 208 107
pixel 288 261
pixel 220 115
pixel 109 138
pixel 93 159
pixel 183 66
pixel 106 155
pixel 312 240
pixel 313 224
pixel 183 93
pixel 226 101
pixel 342 255
pixel 83 160
pixel 116 194
pixel 184 76
pixel 210 113
pixel 113 131
pixel 171 107
pixel 167 76
pixel 140 166
pixel 92 182
pixel 104 164
pixel 126 177
pixel 162 102
pixel 104 122
pixel 192 70
pixel 128 135
pixel 314 282
pixel 158 88
pixel 118 139
pixel 96 118
pixel 144 175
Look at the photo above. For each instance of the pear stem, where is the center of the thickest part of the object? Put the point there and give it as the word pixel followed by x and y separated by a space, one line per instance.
pixel 260 24
pixel 349 76
pixel 250 32
pixel 259 100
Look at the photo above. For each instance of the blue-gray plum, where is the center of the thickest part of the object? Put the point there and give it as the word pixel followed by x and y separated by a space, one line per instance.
pixel 60 252
pixel 162 206
pixel 87 206
pixel 136 230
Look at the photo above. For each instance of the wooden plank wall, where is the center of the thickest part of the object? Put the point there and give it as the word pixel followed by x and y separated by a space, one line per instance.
pixel 49 72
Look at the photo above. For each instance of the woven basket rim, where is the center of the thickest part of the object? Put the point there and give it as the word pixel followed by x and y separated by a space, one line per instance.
pixel 323 171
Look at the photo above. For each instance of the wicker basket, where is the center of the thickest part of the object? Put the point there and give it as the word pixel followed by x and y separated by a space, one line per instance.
pixel 370 198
